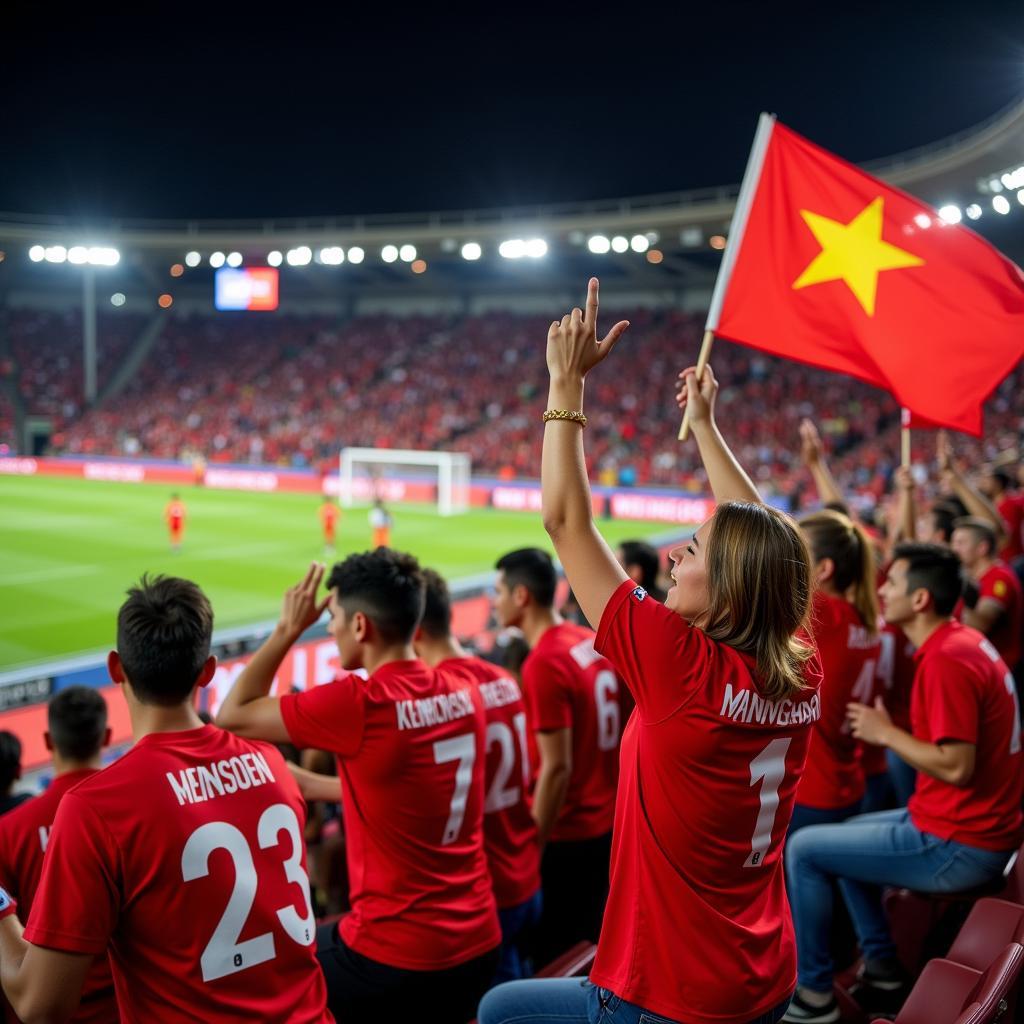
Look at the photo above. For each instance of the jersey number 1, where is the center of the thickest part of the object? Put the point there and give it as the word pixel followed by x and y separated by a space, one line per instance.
pixel 768 768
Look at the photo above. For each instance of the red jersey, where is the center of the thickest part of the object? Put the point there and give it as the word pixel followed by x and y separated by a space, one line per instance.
pixel 1000 584
pixel 1011 509
pixel 568 685
pixel 697 925
pixel 186 858
pixel 964 692
pixel 24 834
pixel 328 516
pixel 894 683
pixel 410 752
pixel 175 515
pixel 833 776
pixel 510 835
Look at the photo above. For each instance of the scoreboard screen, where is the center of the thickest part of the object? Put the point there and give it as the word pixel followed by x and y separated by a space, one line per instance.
pixel 245 288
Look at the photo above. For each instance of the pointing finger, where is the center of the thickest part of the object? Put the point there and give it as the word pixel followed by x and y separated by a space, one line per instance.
pixel 593 287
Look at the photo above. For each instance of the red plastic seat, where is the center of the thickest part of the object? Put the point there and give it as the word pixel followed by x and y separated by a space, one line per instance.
pixel 573 963
pixel 990 925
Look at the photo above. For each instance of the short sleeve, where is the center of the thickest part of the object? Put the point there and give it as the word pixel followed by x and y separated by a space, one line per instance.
pixel 659 655
pixel 951 707
pixel 995 586
pixel 76 906
pixel 548 693
pixel 329 717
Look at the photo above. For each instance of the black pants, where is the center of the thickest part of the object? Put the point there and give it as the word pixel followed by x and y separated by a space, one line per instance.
pixel 574 880
pixel 359 988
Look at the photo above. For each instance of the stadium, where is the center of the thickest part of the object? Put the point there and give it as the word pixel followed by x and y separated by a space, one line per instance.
pixel 227 401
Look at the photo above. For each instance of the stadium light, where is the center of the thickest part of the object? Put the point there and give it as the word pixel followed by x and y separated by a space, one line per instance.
pixel 389 253
pixel 300 256
pixel 620 243
pixel 234 259
pixel 922 220
pixel 950 214
pixel 973 211
pixel 103 256
pixel 1020 197
pixel 536 248
pixel 995 185
pixel 471 251
pixel 36 254
pixel 274 258
pixel 332 255
pixel 598 244
pixel 999 203
pixel 512 249
pixel 639 243
pixel 56 254
pixel 355 254
pixel 78 254
pixel 193 259
pixel 407 253
pixel 118 299
pixel 216 259
pixel 419 266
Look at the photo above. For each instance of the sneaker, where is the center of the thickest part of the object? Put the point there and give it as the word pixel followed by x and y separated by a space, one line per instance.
pixel 881 992
pixel 801 1012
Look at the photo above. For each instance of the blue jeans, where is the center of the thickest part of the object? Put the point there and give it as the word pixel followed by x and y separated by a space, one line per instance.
pixel 904 778
pixel 514 922
pixel 573 1001
pixel 863 854
pixel 804 816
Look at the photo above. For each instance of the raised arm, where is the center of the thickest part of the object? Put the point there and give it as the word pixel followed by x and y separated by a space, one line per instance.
pixel 726 476
pixel 590 566
pixel 974 501
pixel 906 508
pixel 812 454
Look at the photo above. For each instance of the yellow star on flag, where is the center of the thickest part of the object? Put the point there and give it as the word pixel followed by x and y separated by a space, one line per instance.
pixel 854 253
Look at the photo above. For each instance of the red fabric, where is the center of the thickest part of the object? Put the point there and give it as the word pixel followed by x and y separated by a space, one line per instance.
pixel 895 680
pixel 568 685
pixel 964 692
pixel 410 743
pixel 175 515
pixel 834 776
pixel 923 339
pixel 1000 584
pixel 510 835
pixel 144 857
pixel 697 846
pixel 24 833
pixel 1011 508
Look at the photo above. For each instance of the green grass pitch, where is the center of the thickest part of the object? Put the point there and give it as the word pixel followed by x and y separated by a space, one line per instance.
pixel 69 548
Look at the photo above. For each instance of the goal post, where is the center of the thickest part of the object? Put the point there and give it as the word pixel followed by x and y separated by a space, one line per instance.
pixel 452 470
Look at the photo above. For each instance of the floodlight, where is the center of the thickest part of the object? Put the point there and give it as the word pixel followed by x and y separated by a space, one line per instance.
pixel 640 243
pixel 389 253
pixel 1020 197
pixel 512 249
pixel 234 259
pixel 598 244
pixel 78 254
pixel 620 243
pixel 407 253
pixel 536 248
pixel 274 258
pixel 37 254
pixel 355 254
pixel 973 211
pixel 216 259
pixel 300 256
pixel 103 256
pixel 471 251
pixel 193 259
pixel 332 255
pixel 950 214
pixel 56 254
pixel 118 299
pixel 999 203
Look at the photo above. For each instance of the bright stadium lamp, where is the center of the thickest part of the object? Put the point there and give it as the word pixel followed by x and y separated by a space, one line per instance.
pixel 300 256
pixel 407 253
pixel 274 258
pixel 1020 197
pixel 216 259
pixel 78 254
pixel 999 203
pixel 234 259
pixel 332 255
pixel 973 211
pixel 193 259
pixel 471 251
pixel 536 248
pixel 950 214
pixel 103 256
pixel 56 254
pixel 118 299
pixel 356 254
pixel 598 244
pixel 37 254
pixel 512 249
pixel 620 243
pixel 639 243
pixel 389 253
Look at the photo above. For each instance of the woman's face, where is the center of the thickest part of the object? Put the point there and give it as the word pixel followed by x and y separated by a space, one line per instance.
pixel 688 595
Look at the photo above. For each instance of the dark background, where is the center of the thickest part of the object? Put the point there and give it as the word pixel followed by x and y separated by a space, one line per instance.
pixel 240 111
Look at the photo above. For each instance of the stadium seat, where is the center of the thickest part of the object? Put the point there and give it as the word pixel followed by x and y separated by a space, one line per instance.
pixel 573 963
pixel 990 925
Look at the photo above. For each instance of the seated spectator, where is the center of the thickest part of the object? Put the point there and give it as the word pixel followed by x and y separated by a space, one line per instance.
pixel 10 772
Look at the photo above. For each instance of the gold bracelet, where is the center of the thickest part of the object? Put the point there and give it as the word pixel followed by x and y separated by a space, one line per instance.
pixel 572 415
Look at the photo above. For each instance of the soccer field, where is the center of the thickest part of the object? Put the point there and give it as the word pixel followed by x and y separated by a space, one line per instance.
pixel 70 548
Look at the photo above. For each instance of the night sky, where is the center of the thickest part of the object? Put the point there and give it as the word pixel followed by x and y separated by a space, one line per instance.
pixel 193 113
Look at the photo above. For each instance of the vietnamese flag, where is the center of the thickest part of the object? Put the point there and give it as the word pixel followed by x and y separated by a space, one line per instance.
pixel 832 267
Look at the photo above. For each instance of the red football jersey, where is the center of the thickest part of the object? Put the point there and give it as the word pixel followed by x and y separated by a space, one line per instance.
pixel 568 685
pixel 186 858
pixel 1011 509
pixel 24 834
pixel 964 692
pixel 411 753
pixel 697 925
pixel 1000 583
pixel 175 515
pixel 834 777
pixel 510 835
pixel 895 681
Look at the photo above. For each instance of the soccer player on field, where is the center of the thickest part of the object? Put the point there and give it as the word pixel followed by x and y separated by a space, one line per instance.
pixel 575 717
pixel 381 522
pixel 697 927
pixel 184 859
pixel 964 819
pixel 421 942
pixel 329 516
pixel 76 733
pixel 510 834
pixel 174 515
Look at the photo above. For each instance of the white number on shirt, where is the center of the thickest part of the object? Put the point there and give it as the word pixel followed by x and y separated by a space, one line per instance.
pixel 769 766
pixel 501 795
pixel 1011 689
pixel 463 750
pixel 862 689
pixel 606 694
pixel 224 954
pixel 886 660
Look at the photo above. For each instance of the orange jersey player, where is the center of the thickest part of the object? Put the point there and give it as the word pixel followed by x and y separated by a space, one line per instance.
pixel 380 520
pixel 329 516
pixel 174 514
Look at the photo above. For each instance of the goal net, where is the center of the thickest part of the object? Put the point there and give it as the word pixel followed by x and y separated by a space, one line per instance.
pixel 364 475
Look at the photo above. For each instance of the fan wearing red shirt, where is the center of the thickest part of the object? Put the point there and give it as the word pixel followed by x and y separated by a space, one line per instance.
pixel 996 485
pixel 76 734
pixel 184 859
pixel 844 623
pixel 575 718
pixel 510 834
pixel 992 601
pixel 895 687
pixel 421 941
pixel 697 926
pixel 964 819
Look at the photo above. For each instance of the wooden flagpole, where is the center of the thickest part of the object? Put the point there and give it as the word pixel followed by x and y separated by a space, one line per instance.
pixel 905 438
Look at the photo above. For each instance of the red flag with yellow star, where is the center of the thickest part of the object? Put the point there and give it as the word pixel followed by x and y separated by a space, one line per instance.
pixel 833 267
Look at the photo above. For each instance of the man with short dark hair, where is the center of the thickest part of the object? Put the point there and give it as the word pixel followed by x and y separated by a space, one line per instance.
pixel 76 733
pixel 642 564
pixel 962 823
pixel 997 485
pixel 574 711
pixel 10 772
pixel 192 840
pixel 421 942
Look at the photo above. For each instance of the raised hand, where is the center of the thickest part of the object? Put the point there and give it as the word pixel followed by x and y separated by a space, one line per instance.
pixel 573 349
pixel 300 608
pixel 700 399
pixel 811 448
